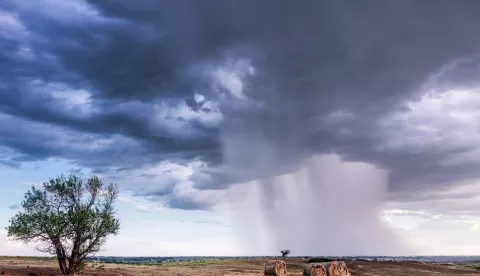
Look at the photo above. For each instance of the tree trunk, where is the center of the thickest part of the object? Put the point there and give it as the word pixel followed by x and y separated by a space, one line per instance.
pixel 73 264
pixel 60 255
pixel 62 264
pixel 70 270
pixel 75 258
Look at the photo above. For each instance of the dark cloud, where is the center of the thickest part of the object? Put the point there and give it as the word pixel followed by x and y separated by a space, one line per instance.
pixel 37 141
pixel 148 175
pixel 166 190
pixel 86 56
pixel 129 73
pixel 367 58
pixel 188 203
pixel 76 171
pixel 14 207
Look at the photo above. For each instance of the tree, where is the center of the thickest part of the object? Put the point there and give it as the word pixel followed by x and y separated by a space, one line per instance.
pixel 285 253
pixel 68 218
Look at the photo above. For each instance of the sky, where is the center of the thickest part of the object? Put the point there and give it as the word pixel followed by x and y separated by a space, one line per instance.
pixel 244 127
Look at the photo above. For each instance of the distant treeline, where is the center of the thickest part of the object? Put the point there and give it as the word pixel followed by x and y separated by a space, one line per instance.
pixel 309 259
pixel 321 260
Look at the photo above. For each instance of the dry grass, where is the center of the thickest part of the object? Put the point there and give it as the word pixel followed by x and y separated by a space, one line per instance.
pixel 46 267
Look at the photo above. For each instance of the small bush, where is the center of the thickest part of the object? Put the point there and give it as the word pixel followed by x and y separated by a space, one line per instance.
pixel 320 260
pixel 81 266
pixel 473 266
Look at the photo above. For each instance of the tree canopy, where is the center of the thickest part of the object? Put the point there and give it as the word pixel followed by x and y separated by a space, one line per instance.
pixel 68 218
pixel 285 252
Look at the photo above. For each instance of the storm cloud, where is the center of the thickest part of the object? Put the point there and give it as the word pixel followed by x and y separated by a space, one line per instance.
pixel 115 86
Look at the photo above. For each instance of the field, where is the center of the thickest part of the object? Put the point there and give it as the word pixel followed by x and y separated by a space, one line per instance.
pixel 45 267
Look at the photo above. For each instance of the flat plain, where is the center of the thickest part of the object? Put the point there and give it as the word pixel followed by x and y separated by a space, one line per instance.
pixel 45 267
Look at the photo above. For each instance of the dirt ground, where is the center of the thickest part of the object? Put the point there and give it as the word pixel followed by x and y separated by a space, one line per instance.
pixel 43 267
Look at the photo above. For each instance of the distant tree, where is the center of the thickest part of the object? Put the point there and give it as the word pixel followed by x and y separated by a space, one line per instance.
pixel 68 218
pixel 285 253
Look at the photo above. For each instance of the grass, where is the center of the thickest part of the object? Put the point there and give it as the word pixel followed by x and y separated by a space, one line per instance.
pixel 474 266
pixel 182 263
pixel 28 258
pixel 320 260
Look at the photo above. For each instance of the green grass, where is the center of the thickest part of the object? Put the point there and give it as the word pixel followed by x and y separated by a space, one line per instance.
pixel 320 260
pixel 197 263
pixel 474 266
pixel 183 263
pixel 28 258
